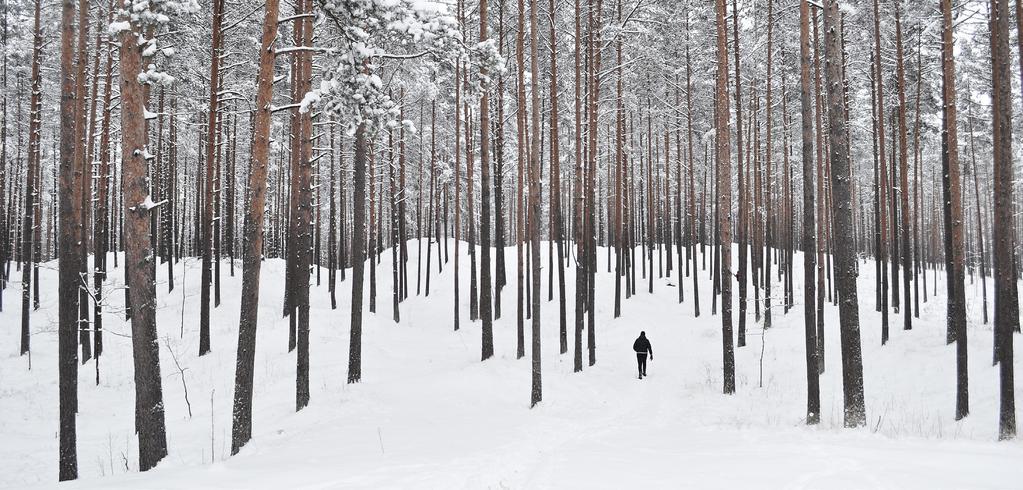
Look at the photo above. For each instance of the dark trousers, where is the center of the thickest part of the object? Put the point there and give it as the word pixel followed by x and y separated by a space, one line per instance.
pixel 641 361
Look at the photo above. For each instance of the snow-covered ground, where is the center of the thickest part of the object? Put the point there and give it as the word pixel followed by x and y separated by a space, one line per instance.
pixel 429 414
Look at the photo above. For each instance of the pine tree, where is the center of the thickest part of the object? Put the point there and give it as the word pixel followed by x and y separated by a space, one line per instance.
pixel 904 231
pixel 241 427
pixel 557 227
pixel 301 213
pixel 845 256
pixel 536 392
pixel 813 403
pixel 882 174
pixel 358 253
pixel 69 257
pixel 149 411
pixel 724 199
pixel 952 213
pixel 29 223
pixel 1006 299
pixel 208 203
pixel 743 224
pixel 486 287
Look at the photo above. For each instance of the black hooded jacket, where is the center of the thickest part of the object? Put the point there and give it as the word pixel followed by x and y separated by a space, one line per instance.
pixel 642 345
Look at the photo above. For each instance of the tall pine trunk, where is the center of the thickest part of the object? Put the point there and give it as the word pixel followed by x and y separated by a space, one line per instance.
pixel 953 213
pixel 301 214
pixel 358 253
pixel 69 254
pixel 1006 300
pixel 31 181
pixel 486 286
pixel 536 392
pixel 253 239
pixel 813 402
pixel 149 412
pixel 841 189
pixel 905 233
pixel 206 237
pixel 722 155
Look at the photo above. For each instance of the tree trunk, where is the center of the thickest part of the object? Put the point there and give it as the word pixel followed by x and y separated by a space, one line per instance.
pixel 882 173
pixel 953 213
pixel 394 204
pixel 619 171
pixel 813 402
pixel 557 228
pixel 69 253
pixel 241 429
pixel 743 225
pixel 768 204
pixel 522 133
pixel 499 216
pixel 981 255
pixel 208 207
pixel 85 194
pixel 358 254
pixel 486 289
pixel 724 199
pixel 904 230
pixel 139 256
pixel 841 189
pixel 31 180
pixel 534 207
pixel 822 207
pixel 102 220
pixel 301 214
pixel 1006 299
pixel 692 171
pixel 580 264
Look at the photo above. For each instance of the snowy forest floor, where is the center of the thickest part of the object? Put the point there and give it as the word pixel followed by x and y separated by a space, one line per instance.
pixel 429 414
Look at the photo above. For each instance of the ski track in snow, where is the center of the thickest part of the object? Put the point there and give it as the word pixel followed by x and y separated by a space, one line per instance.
pixel 429 414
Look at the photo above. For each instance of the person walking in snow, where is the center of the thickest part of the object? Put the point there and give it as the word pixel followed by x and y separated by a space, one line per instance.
pixel 642 348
